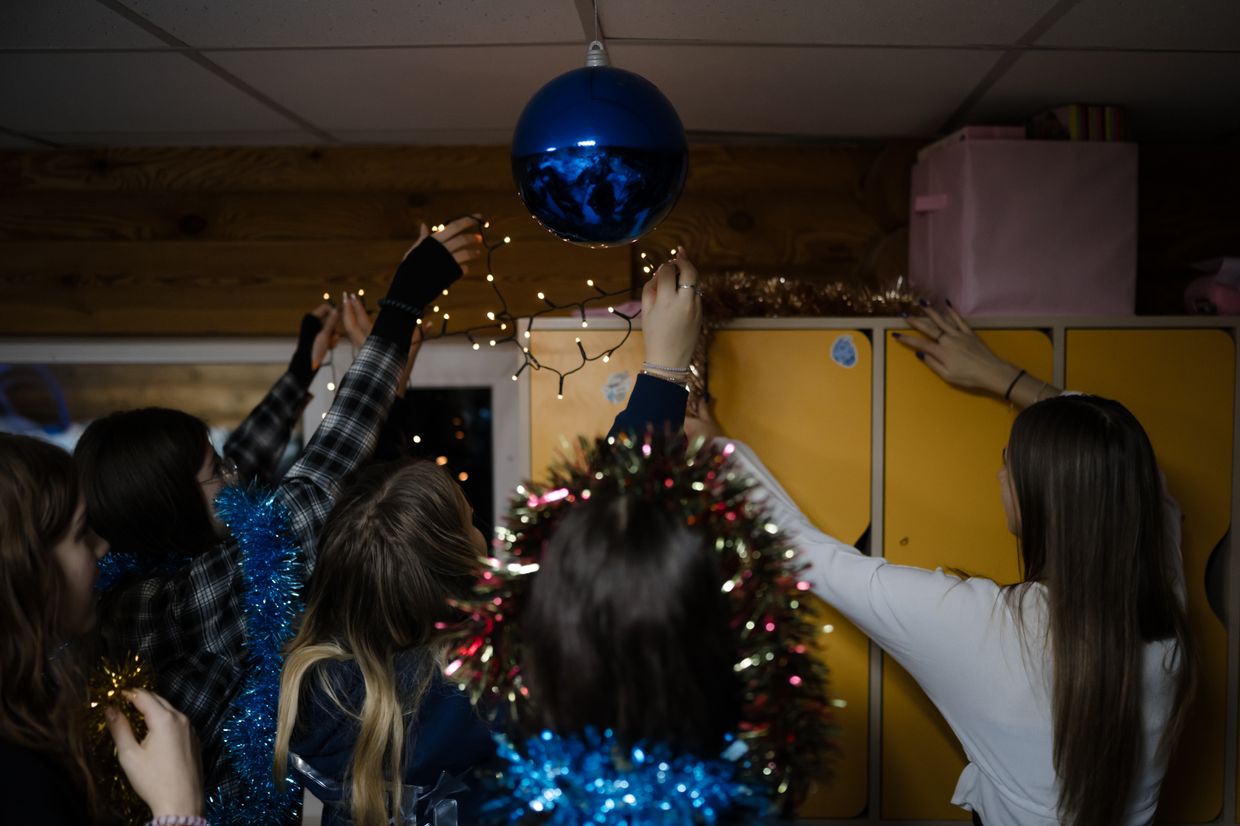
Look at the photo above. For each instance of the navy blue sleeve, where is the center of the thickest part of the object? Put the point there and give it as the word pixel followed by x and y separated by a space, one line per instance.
pixel 652 402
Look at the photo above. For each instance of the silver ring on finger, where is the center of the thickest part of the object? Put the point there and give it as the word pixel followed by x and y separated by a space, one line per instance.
pixel 693 287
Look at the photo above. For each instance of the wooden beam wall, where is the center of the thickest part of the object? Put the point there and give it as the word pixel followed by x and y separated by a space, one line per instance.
pixel 242 241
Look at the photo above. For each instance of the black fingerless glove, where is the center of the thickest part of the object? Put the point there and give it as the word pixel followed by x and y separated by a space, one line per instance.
pixel 425 273
pixel 301 365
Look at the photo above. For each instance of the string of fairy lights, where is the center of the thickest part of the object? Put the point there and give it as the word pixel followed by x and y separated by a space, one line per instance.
pixel 502 328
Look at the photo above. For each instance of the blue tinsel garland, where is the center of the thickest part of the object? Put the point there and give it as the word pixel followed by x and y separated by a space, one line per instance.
pixel 270 567
pixel 573 781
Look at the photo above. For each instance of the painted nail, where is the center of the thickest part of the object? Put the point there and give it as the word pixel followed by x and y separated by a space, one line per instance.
pixel 921 356
pixel 896 335
pixel 949 301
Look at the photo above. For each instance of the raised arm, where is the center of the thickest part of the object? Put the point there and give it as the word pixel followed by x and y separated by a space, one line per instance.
pixel 348 434
pixel 953 351
pixel 258 442
pixel 671 320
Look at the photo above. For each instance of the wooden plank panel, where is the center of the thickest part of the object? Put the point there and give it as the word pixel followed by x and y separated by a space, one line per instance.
pixel 1180 385
pixel 933 520
pixel 842 168
pixel 153 288
pixel 220 394
pixel 824 235
pixel 809 421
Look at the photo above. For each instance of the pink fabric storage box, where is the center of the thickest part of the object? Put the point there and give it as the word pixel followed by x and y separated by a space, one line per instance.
pixel 1021 228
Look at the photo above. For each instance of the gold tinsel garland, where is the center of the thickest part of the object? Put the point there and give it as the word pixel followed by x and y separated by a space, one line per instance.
pixel 731 295
pixel 105 689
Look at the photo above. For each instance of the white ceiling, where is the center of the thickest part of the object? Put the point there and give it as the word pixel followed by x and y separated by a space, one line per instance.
pixel 152 72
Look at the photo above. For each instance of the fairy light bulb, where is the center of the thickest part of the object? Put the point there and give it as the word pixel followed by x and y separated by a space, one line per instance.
pixel 507 239
pixel 542 296
pixel 589 282
pixel 490 278
pixel 331 386
pixel 327 296
pixel 361 291
pixel 477 346
pixel 490 316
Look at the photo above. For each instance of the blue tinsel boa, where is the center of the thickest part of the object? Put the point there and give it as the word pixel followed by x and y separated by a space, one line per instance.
pixel 270 571
pixel 573 781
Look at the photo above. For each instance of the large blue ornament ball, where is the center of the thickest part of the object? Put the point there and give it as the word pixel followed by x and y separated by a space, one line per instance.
pixel 599 156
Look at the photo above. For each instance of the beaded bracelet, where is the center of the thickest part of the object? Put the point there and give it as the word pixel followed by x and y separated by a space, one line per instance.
pixel 647 365
pixel 178 820
pixel 399 305
pixel 681 383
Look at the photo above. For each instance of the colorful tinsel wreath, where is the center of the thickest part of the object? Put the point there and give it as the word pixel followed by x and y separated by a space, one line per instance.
pixel 787 719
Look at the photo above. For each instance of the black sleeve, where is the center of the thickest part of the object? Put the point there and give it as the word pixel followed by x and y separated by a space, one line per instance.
pixel 426 272
pixel 653 402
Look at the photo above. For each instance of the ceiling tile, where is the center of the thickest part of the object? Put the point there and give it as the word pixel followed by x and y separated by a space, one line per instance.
pixel 245 23
pixel 405 89
pixel 267 138
pixel 68 24
pixel 812 92
pixel 1167 95
pixel 124 92
pixel 858 22
pixel 1149 24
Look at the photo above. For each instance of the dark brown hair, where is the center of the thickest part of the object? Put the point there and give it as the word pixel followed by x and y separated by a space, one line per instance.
pixel 394 550
pixel 139 471
pixel 1093 531
pixel 627 629
pixel 42 690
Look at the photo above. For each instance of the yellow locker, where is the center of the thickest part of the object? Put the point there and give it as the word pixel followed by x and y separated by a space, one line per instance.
pixel 771 387
pixel 802 400
pixel 942 508
pixel 1180 385
pixel 593 396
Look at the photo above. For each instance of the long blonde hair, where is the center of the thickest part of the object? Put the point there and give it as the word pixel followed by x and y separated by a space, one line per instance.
pixel 395 548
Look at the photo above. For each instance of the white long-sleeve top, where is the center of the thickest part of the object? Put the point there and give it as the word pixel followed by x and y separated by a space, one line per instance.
pixel 961 642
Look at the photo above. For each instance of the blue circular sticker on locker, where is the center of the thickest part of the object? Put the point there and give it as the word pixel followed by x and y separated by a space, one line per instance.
pixel 844 351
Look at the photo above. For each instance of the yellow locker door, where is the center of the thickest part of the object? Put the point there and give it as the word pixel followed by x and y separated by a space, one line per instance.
pixel 802 400
pixel 1180 386
pixel 593 396
pixel 942 509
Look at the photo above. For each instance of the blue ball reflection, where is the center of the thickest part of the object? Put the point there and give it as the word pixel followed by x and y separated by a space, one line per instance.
pixel 599 156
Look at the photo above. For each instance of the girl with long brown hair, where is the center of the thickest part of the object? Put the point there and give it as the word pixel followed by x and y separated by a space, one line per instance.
pixel 1069 689
pixel 367 719
pixel 47 612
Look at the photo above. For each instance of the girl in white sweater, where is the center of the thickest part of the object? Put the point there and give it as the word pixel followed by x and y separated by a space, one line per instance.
pixel 1067 690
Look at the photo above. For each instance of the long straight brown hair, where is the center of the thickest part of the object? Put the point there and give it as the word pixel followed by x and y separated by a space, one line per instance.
pixel 1094 531
pixel 42 690
pixel 395 548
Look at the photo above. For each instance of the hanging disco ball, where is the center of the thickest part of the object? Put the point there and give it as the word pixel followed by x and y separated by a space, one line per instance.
pixel 599 155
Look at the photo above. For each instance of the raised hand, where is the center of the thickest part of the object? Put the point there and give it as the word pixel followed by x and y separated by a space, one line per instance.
pixel 461 238
pixel 327 336
pixel 355 320
pixel 164 768
pixel 953 351
pixel 672 314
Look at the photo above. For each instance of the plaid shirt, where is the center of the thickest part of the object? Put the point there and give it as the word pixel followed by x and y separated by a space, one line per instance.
pixel 189 625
